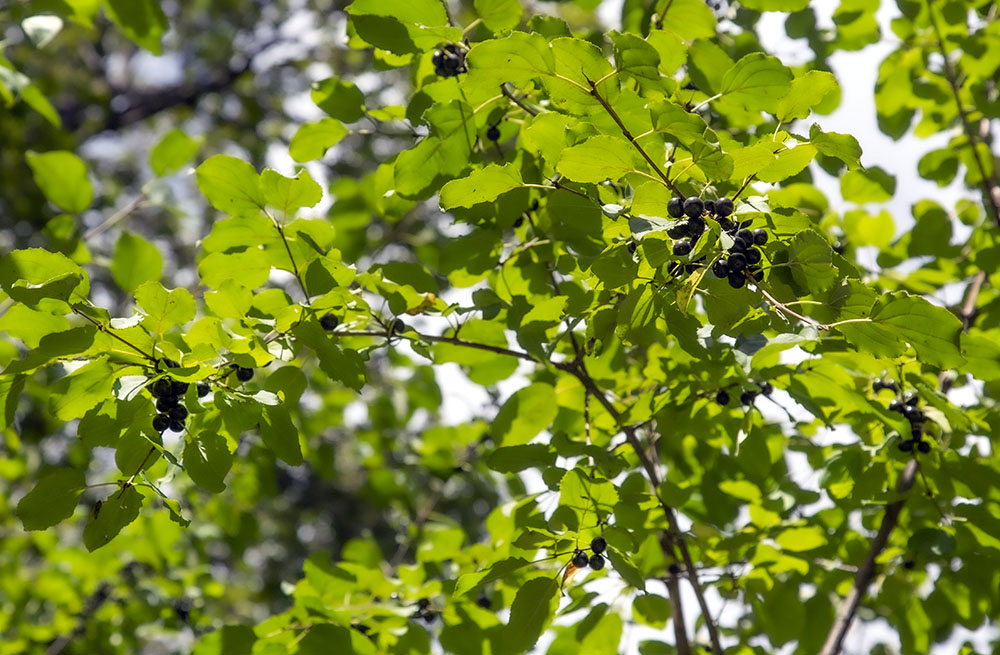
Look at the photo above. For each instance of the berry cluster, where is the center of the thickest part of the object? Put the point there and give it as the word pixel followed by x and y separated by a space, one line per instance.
pixel 171 412
pixel 747 396
pixel 908 408
pixel 595 560
pixel 424 611
pixel 449 61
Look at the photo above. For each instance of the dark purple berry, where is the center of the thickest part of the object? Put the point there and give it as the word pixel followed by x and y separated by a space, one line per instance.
pixel 721 268
pixel 753 256
pixel 176 426
pixel 598 544
pixel 178 388
pixel 682 247
pixel 766 388
pixel 493 133
pixel 170 363
pixel 759 237
pixel 909 564
pixel 161 422
pixel 580 559
pixel 724 207
pixel 178 413
pixel 722 397
pixel 203 389
pixel 911 399
pixel 906 446
pixel 244 374
pixel 694 207
pixel 747 397
pixel 745 234
pixel 924 447
pixel 596 562
pixel 895 405
pixel 737 261
pixel 632 247
pixel 913 414
pixel 484 602
pixel 739 245
pixel 737 280
pixel 329 322
pixel 695 228
pixel 675 207
pixel 162 387
pixel 164 403
pixel 397 326
pixel 710 207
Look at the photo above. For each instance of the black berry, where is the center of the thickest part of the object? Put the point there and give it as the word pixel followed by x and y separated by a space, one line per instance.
pixel 766 388
pixel 493 133
pixel 722 397
pixel 596 562
pixel 484 602
pixel 580 559
pixel 675 207
pixel 203 389
pixel 878 385
pixel 598 544
pixel 759 237
pixel 682 247
pixel 178 388
pixel 911 399
pixel 737 261
pixel 244 374
pixel 164 403
pixel 695 228
pixel 739 244
pixel 924 447
pixel 674 569
pixel 161 422
pixel 906 446
pixel 170 363
pixel 329 322
pixel 745 234
pixel 430 617
pixel 913 414
pixel 895 405
pixel 747 397
pixel 721 268
pixel 724 207
pixel 423 604
pixel 162 387
pixel 753 256
pixel 710 206
pixel 632 247
pixel 176 426
pixel 178 413
pixel 737 280
pixel 694 207
pixel 397 326
pixel 519 222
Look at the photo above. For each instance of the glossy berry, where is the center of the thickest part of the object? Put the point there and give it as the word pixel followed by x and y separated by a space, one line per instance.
pixel 678 230
pixel 596 562
pixel 727 225
pixel 895 405
pixel 580 559
pixel 178 413
pixel 162 387
pixel 913 414
pixel 906 446
pixel 244 374
pixel 753 256
pixel 176 426
pixel 722 397
pixel 737 280
pixel 710 207
pixel 203 389
pixel 759 237
pixel 695 228
pixel 164 403
pixel 161 422
pixel 178 388
pixel 838 247
pixel 721 268
pixel 766 388
pixel 745 234
pixel 724 207
pixel 675 207
pixel 737 261
pixel 747 398
pixel 682 247
pixel 878 385
pixel 397 326
pixel 694 207
pixel 598 544
pixel 329 322
pixel 890 384
pixel 170 363
pixel 493 133
pixel 911 399
pixel 739 245
pixel 924 447
pixel 484 602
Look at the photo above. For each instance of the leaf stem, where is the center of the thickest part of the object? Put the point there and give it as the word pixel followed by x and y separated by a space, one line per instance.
pixel 107 330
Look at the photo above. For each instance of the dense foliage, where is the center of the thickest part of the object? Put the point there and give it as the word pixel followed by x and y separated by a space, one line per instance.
pixel 544 340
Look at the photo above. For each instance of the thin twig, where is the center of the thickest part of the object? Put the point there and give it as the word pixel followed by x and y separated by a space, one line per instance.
pixel 866 572
pixel 505 89
pixel 631 139
pixel 115 218
pixel 107 330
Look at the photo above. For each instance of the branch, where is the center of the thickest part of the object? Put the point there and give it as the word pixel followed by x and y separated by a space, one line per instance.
pixel 453 341
pixel 969 311
pixel 677 615
pixel 505 89
pixel 866 572
pixel 628 135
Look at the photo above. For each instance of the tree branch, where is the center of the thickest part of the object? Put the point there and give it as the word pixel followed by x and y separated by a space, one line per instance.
pixel 866 572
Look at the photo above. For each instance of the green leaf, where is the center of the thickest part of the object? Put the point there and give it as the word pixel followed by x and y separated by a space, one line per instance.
pixel 342 100
pixel 688 19
pixel 312 140
pixel 280 434
pixel 939 165
pixel 33 275
pixel 482 185
pixel 526 413
pixel 62 177
pixel 841 146
pixel 635 57
pixel 117 511
pixel 530 613
pixel 173 151
pixel 627 570
pixel 230 640
pixel 597 159
pixel 326 638
pixel 289 194
pixel 514 459
pixel 82 390
pixel 516 59
pixel 164 309
pixel 470 581
pixel 869 185
pixel 499 15
pixel 802 539
pixel 651 610
pixel 756 82
pixel 344 365
pixel 135 262
pixel 52 499
pixel 805 93
pixel 231 185
pixel 141 20
pixel 775 5
pixel 933 331
pixel 207 460
pixel 445 152
pixel 402 27
pixel 811 259
pixel 35 99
